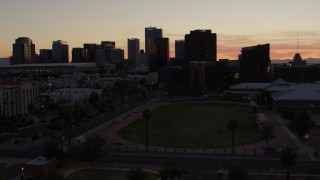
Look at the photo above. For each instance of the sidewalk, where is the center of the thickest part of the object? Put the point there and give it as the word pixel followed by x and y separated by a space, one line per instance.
pixel 66 171
pixel 301 145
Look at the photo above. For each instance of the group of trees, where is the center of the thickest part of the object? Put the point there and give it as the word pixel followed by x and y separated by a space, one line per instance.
pixel 136 89
pixel 300 122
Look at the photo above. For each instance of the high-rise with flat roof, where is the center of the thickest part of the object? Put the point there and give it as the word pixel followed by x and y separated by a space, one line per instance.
pixel 133 51
pixel 201 45
pixel 79 55
pixel 159 54
pixel 90 49
pixel 23 51
pixel 150 34
pixel 60 51
pixel 179 49
pixel 117 55
pixel 254 63
pixel 46 55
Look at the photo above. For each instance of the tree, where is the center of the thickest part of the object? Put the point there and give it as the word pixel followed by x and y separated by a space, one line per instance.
pixel 301 123
pixel 94 97
pixel 80 83
pixel 236 172
pixel 267 133
pixel 53 175
pixel 31 108
pixel 170 170
pixel 92 149
pixel 232 125
pixel 67 116
pixel 120 89
pixel 147 113
pixel 288 159
pixel 136 174
pixel 142 83
pixel 52 151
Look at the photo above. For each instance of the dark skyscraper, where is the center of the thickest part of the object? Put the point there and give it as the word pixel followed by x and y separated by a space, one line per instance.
pixel 201 45
pixel 107 46
pixel 159 54
pixel 90 51
pixel 179 49
pixel 150 34
pixel 46 55
pixel 60 51
pixel 79 55
pixel 133 51
pixel 23 51
pixel 254 63
pixel 117 55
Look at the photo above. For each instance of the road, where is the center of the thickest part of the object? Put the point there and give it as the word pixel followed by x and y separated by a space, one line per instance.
pixel 204 165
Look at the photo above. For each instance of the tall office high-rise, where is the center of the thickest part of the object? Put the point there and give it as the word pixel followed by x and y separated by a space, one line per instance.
pixel 60 51
pixel 117 55
pixel 254 63
pixel 133 51
pixel 46 55
pixel 90 49
pixel 23 51
pixel 79 55
pixel 107 46
pixel 159 54
pixel 150 34
pixel 179 49
pixel 201 45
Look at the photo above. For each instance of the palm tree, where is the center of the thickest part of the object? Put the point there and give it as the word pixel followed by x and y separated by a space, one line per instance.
pixel 67 117
pixel 288 159
pixel 232 125
pixel 147 113
pixel 267 133
pixel 136 174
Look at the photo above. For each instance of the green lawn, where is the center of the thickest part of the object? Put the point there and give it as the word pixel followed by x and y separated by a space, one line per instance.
pixel 202 124
pixel 104 175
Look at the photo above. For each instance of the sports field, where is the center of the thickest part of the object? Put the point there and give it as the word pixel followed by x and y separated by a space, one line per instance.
pixel 196 124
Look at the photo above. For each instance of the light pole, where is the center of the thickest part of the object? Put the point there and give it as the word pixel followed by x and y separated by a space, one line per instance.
pixel 22 174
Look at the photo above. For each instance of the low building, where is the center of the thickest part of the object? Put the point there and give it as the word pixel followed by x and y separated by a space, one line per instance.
pixel 17 98
pixel 38 167
pixel 246 91
pixel 304 96
pixel 70 95
pixel 295 96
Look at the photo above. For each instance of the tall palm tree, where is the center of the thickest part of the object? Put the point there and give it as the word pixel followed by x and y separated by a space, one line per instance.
pixel 147 113
pixel 267 133
pixel 232 125
pixel 288 159
pixel 67 117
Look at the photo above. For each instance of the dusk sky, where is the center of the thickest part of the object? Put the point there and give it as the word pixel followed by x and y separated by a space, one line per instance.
pixel 238 23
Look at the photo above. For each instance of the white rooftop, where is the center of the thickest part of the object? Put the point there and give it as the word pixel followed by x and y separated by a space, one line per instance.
pixel 39 161
pixel 245 86
pixel 302 92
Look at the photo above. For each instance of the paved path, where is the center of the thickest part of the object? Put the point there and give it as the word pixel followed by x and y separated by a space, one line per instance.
pixel 299 144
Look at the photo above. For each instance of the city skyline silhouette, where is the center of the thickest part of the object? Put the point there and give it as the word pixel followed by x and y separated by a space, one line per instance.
pixel 237 24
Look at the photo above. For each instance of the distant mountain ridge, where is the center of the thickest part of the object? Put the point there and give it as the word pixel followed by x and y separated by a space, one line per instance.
pixel 309 61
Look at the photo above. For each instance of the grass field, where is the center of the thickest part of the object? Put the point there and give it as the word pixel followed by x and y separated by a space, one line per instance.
pixel 200 125
pixel 104 174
